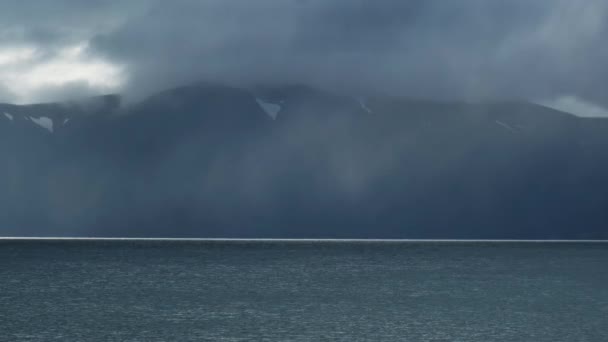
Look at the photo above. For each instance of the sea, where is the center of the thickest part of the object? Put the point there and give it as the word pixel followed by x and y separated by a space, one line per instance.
pixel 270 290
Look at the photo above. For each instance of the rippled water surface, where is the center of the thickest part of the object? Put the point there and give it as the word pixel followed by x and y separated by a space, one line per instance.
pixel 271 291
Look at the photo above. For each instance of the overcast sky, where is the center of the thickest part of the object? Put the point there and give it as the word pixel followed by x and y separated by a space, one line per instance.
pixel 549 51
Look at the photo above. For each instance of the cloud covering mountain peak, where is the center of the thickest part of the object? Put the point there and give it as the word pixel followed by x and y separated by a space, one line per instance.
pixel 470 49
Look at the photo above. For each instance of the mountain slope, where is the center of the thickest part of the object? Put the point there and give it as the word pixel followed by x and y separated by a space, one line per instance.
pixel 292 161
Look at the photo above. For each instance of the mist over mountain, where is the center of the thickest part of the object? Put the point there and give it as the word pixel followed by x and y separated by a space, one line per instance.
pixel 291 161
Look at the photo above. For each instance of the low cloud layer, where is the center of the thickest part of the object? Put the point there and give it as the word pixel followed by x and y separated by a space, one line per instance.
pixel 471 49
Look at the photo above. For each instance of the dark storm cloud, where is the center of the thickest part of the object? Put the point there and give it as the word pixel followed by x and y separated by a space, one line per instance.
pixel 472 48
pixel 56 22
pixel 35 42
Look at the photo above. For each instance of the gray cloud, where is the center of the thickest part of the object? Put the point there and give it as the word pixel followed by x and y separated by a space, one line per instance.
pixel 65 92
pixel 5 94
pixel 469 49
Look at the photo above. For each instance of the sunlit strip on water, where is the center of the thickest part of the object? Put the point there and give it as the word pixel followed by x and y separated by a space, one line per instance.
pixel 302 240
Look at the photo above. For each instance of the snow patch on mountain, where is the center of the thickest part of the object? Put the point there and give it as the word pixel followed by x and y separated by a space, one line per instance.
pixel 576 106
pixel 506 126
pixel 44 122
pixel 364 106
pixel 9 116
pixel 272 109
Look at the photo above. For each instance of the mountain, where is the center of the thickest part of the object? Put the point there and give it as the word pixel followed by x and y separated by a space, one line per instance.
pixel 208 160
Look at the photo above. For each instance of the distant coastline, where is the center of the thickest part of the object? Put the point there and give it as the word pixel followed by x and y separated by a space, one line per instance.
pixel 298 240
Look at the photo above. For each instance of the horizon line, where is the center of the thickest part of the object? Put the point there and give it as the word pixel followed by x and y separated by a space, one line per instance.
pixel 10 238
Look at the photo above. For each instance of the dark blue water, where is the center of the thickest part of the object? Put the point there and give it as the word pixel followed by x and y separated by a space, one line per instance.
pixel 262 291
